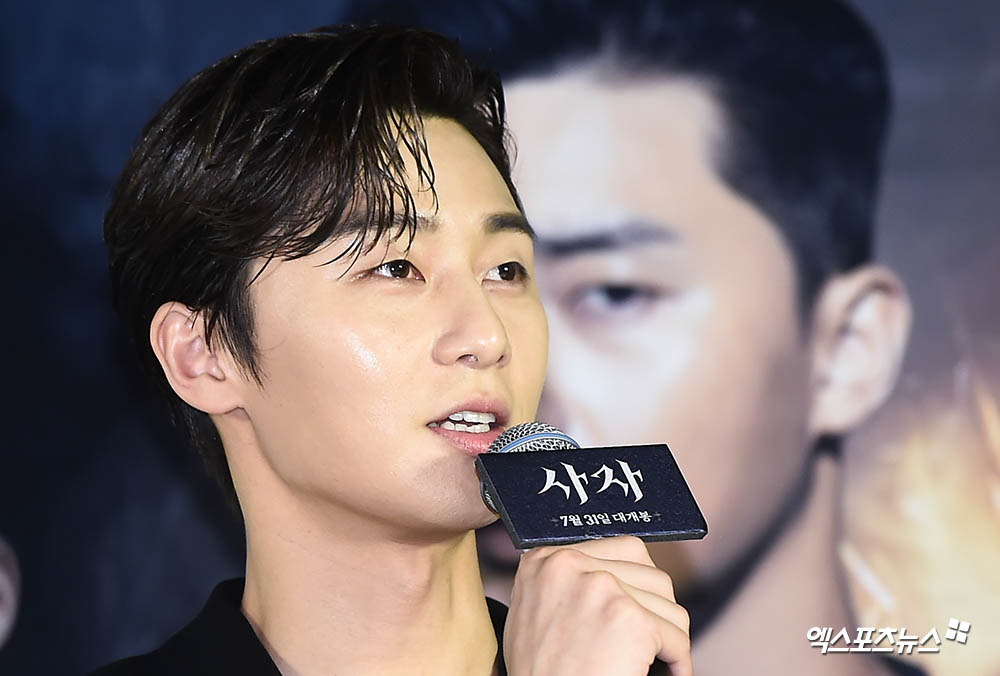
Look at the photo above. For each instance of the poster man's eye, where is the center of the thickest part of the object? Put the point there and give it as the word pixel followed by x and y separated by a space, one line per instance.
pixel 617 301
pixel 615 295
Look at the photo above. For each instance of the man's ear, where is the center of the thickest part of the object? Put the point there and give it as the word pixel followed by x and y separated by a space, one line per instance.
pixel 861 322
pixel 201 378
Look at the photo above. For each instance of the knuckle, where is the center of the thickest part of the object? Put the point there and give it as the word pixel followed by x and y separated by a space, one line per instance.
pixel 603 583
pixel 564 560
pixel 534 556
pixel 540 552
pixel 635 549
pixel 623 612
pixel 667 584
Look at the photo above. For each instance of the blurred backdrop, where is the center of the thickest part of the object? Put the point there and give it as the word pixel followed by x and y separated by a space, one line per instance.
pixel 119 537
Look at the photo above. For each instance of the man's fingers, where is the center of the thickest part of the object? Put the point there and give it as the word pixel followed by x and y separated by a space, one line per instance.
pixel 665 608
pixel 559 562
pixel 674 647
pixel 620 548
pixel 621 605
pixel 652 580
pixel 629 617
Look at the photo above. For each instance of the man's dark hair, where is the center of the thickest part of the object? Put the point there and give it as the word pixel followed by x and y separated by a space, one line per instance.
pixel 270 154
pixel 803 90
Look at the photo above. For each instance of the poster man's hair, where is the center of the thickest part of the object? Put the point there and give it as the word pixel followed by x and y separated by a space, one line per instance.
pixel 802 87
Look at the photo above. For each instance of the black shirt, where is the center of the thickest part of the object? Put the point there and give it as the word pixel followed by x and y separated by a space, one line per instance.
pixel 220 640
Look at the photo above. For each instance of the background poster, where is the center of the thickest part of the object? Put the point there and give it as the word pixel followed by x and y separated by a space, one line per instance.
pixel 118 535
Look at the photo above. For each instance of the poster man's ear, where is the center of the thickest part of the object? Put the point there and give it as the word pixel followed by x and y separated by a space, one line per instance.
pixel 861 323
pixel 200 377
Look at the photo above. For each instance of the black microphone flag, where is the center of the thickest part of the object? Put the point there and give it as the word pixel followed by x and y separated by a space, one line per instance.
pixel 558 493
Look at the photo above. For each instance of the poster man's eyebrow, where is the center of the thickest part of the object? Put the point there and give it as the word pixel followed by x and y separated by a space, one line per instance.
pixel 634 233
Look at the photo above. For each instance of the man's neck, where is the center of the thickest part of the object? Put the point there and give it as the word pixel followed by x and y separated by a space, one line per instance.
pixel 795 586
pixel 322 603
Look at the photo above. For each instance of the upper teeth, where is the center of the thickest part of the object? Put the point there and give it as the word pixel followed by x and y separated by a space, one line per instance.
pixel 473 417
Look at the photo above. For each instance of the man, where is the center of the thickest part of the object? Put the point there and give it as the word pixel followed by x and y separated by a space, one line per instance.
pixel 702 178
pixel 318 249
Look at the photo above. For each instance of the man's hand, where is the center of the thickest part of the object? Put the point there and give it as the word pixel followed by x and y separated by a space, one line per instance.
pixel 598 607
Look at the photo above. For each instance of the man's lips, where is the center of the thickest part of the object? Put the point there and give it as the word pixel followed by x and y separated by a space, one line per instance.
pixel 480 404
pixel 470 442
pixel 473 442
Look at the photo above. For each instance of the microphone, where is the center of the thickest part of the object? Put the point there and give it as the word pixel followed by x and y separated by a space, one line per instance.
pixel 526 437
pixel 549 491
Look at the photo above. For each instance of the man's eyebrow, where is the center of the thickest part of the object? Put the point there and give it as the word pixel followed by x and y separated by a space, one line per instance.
pixel 424 223
pixel 633 233
pixel 498 222
pixel 509 221
pixel 501 221
pixel 355 223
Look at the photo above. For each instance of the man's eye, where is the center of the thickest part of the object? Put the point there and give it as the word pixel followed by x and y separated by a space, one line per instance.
pixel 510 271
pixel 397 269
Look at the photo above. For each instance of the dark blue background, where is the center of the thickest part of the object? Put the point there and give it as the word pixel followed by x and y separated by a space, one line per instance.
pixel 119 535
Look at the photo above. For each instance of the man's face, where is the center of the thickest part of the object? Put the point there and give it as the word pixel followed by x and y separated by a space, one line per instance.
pixel 364 362
pixel 671 299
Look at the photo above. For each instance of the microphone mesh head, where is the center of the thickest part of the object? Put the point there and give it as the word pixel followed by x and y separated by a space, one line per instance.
pixel 532 436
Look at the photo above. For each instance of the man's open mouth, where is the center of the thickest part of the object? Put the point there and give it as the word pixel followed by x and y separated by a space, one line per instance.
pixel 467 421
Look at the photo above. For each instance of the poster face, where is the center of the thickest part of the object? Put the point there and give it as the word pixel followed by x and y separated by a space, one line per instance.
pixel 776 257
pixel 674 288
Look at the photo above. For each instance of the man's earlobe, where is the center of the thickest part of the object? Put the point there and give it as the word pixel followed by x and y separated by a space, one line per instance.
pixel 198 376
pixel 861 323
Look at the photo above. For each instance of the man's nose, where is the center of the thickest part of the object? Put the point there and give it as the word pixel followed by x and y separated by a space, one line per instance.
pixel 472 333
